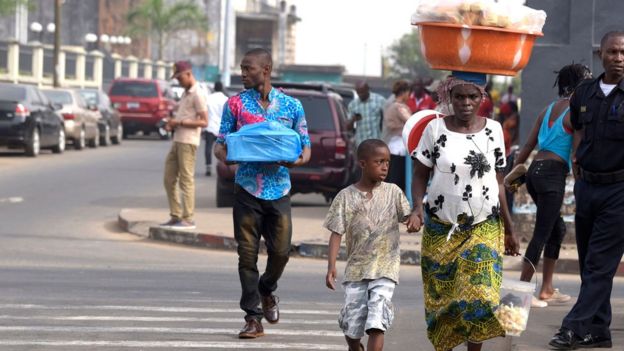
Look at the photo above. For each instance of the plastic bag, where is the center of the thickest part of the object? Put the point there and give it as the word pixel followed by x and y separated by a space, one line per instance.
pixel 515 305
pixel 263 142
pixel 510 14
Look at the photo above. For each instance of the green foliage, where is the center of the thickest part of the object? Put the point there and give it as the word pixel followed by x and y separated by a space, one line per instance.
pixel 155 17
pixel 7 7
pixel 407 61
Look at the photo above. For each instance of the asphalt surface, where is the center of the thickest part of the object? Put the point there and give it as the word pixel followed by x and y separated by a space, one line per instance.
pixel 71 280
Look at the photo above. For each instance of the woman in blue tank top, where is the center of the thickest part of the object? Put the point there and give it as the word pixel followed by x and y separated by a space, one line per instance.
pixel 546 179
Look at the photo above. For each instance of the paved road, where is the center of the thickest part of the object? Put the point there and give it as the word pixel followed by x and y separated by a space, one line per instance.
pixel 69 280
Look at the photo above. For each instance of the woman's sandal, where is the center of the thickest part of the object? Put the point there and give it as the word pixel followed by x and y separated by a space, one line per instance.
pixel 558 298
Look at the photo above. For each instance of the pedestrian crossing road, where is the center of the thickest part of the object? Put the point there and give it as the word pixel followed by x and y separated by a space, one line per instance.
pixel 57 326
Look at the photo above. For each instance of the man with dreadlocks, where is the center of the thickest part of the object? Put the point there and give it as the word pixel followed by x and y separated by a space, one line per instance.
pixel 546 180
pixel 463 218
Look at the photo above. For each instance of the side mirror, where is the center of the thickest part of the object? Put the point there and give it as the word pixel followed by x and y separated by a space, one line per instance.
pixel 92 107
pixel 56 106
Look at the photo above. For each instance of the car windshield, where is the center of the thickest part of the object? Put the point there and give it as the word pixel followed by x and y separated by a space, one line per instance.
pixel 90 96
pixel 12 93
pixel 318 112
pixel 135 89
pixel 59 97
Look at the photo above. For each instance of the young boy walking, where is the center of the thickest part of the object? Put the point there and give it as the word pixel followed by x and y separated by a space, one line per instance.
pixel 368 214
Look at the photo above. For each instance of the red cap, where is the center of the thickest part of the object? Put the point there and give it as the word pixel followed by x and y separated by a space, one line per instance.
pixel 179 67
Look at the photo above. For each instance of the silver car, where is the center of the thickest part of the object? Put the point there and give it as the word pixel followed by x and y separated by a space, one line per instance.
pixel 81 123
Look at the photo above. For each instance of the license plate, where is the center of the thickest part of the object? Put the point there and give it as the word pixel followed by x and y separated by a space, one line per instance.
pixel 133 105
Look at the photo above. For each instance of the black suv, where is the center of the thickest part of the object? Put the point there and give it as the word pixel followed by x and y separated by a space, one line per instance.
pixel 333 162
pixel 29 121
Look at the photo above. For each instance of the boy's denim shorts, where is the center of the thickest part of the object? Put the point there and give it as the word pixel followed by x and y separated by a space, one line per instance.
pixel 368 305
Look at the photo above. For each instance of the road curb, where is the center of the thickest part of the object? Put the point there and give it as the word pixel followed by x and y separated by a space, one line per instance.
pixel 219 241
pixel 140 228
pixel 408 257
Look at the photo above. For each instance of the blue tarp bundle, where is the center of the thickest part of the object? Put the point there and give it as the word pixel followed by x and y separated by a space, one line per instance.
pixel 263 142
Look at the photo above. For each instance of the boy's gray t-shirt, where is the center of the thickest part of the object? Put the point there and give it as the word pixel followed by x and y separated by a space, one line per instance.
pixel 370 228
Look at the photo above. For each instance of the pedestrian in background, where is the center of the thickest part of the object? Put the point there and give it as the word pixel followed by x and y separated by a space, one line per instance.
pixel 486 109
pixel 419 99
pixel 190 117
pixel 509 96
pixel 546 181
pixel 367 214
pixel 395 116
pixel 509 118
pixel 261 200
pixel 366 113
pixel 597 115
pixel 466 221
pixel 215 102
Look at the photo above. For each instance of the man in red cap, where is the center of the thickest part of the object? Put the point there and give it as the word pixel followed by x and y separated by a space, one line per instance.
pixel 190 118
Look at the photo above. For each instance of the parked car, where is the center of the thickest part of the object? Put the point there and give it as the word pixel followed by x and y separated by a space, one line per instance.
pixel 111 128
pixel 81 124
pixel 29 121
pixel 142 103
pixel 333 163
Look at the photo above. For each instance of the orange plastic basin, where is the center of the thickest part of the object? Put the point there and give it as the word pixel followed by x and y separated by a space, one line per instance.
pixel 456 47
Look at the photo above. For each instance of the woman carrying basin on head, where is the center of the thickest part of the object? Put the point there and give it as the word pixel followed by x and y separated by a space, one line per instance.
pixel 466 221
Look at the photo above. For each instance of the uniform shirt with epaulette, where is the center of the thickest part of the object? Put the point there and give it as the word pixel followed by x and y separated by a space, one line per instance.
pixel 601 118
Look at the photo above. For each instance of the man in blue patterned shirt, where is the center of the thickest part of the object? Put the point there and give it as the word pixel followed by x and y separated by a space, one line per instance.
pixel 262 201
pixel 366 113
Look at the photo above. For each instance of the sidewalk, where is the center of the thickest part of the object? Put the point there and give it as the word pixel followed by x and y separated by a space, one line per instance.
pixel 310 239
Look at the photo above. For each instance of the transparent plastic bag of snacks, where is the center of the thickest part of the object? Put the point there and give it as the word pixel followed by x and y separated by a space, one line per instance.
pixel 263 142
pixel 515 304
pixel 521 17
pixel 510 14
pixel 437 11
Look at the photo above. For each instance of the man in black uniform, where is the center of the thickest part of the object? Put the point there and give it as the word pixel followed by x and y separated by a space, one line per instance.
pixel 597 114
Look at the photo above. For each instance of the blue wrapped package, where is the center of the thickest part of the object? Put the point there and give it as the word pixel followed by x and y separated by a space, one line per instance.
pixel 263 142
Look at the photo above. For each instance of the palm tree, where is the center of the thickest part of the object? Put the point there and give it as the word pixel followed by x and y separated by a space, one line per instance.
pixel 157 18
pixel 7 7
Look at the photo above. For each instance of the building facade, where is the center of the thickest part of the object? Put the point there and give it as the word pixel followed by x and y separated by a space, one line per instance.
pixel 78 18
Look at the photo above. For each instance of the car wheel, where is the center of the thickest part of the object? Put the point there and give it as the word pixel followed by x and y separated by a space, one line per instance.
pixel 33 146
pixel 60 146
pixel 105 140
pixel 82 140
pixel 95 142
pixel 116 139
pixel 225 193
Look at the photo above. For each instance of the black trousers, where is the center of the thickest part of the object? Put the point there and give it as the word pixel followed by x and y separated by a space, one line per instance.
pixel 600 242
pixel 255 218
pixel 546 180
pixel 396 173
pixel 210 139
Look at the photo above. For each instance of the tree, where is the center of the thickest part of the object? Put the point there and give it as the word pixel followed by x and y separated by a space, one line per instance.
pixel 154 17
pixel 7 7
pixel 406 59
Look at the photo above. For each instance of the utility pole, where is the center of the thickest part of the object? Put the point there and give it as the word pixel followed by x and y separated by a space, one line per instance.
pixel 227 58
pixel 57 40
